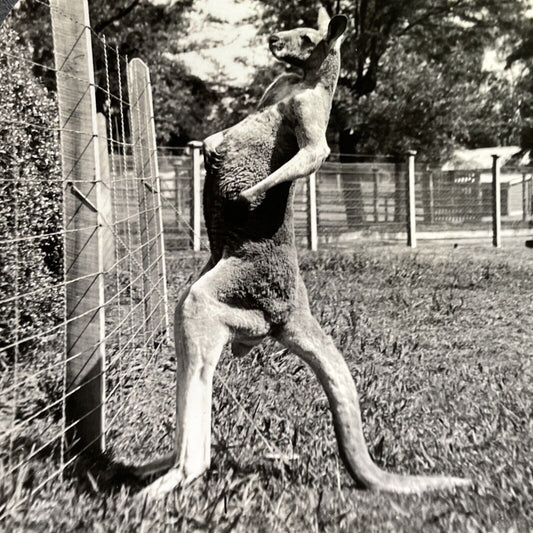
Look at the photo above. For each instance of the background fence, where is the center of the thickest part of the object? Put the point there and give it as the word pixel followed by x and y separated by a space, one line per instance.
pixel 369 199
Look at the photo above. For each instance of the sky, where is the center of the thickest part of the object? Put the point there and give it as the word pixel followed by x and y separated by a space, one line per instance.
pixel 223 41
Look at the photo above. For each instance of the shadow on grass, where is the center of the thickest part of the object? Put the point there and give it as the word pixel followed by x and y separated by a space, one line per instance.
pixel 38 463
pixel 102 474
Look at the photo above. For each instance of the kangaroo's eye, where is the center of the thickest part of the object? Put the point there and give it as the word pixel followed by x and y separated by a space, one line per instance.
pixel 306 39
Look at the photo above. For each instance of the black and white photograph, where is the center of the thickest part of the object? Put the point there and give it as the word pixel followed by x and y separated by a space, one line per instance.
pixel 266 266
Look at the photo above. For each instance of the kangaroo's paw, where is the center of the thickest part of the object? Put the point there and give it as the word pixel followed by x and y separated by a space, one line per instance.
pixel 162 486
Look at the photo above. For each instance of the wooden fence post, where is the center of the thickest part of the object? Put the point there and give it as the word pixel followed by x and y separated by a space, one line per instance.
pixel 150 211
pixel 83 225
pixel 411 202
pixel 196 196
pixel 161 271
pixel 106 206
pixel 496 202
pixel 312 215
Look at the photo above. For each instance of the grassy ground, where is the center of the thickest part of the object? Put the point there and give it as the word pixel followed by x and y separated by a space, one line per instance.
pixel 439 343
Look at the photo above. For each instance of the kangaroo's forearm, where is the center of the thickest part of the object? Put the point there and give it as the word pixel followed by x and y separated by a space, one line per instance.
pixel 305 162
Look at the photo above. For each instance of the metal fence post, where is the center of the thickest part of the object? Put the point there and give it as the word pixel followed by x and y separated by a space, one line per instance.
pixel 83 223
pixel 196 196
pixel 312 216
pixel 496 202
pixel 411 203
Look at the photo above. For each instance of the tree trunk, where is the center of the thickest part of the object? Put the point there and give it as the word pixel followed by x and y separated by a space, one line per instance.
pixel 399 190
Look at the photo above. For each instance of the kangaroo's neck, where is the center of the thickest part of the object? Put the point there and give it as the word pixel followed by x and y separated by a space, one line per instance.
pixel 325 73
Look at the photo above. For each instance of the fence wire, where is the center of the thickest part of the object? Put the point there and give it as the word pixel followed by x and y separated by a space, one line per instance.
pixel 47 298
pixel 36 237
pixel 367 199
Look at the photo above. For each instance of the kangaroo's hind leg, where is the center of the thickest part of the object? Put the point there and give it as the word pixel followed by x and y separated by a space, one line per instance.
pixel 162 464
pixel 303 335
pixel 203 325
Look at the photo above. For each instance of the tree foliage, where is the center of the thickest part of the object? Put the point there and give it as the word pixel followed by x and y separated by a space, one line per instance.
pixel 433 106
pixel 412 72
pixel 136 28
pixel 522 57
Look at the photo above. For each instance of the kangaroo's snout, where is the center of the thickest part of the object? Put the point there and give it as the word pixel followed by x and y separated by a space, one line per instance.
pixel 275 43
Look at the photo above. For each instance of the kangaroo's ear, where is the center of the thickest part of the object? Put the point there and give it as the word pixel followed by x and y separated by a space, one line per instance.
pixel 336 28
pixel 323 20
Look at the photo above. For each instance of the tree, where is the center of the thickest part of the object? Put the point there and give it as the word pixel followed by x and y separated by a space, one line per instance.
pixel 433 29
pixel 31 191
pixel 434 106
pixel 522 57
pixel 136 28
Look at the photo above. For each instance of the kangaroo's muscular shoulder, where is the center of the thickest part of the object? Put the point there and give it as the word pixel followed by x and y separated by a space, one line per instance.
pixel 305 111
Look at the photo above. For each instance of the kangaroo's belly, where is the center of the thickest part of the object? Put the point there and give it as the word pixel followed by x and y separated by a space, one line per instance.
pixel 243 156
pixel 260 235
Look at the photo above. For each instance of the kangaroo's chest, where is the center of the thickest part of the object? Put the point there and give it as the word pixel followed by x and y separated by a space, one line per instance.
pixel 251 150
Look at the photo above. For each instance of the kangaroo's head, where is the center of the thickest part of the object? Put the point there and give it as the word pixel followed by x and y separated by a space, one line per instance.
pixel 306 47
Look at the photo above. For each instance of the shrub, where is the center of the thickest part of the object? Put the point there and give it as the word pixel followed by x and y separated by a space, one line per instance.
pixel 31 200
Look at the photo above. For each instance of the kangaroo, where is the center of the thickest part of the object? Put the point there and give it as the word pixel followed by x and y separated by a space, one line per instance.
pixel 251 286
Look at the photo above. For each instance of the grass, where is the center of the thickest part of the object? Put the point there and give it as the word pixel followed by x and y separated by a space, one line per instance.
pixel 439 344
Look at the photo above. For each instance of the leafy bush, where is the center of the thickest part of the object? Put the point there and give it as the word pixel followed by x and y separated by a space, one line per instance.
pixel 31 199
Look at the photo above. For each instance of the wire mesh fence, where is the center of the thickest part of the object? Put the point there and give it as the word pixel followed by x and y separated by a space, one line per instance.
pixel 368 199
pixel 448 200
pixel 83 293
pixel 83 288
pixel 364 196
